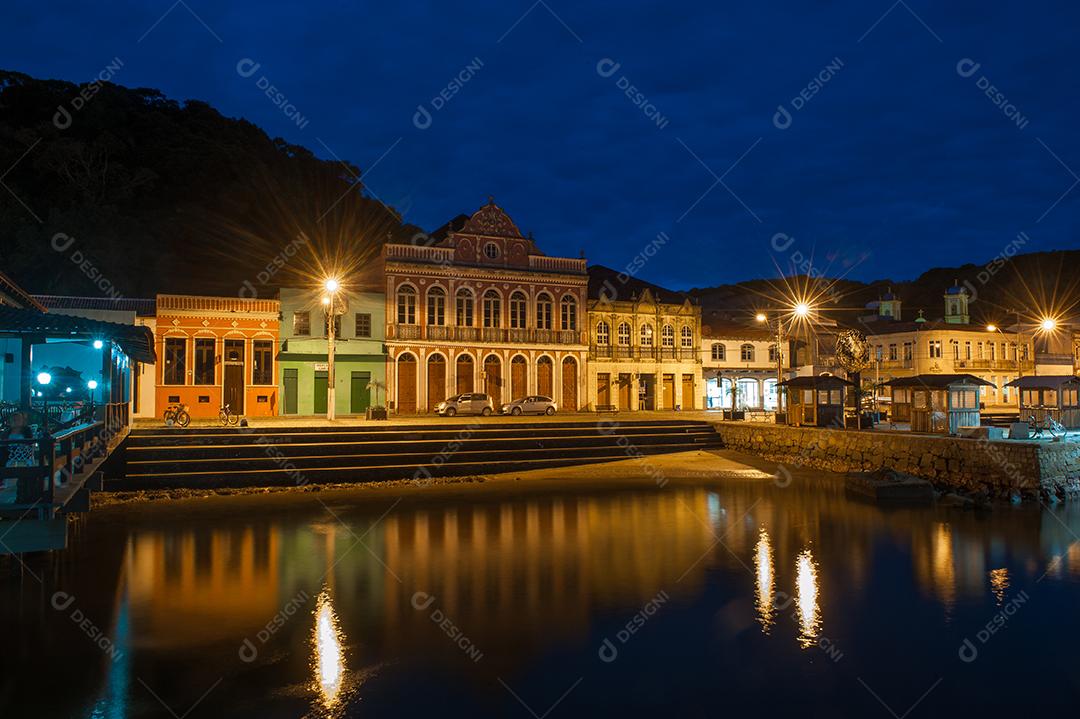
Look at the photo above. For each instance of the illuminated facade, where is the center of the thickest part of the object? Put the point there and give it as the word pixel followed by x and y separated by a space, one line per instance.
pixel 216 350
pixel 644 354
pixel 483 310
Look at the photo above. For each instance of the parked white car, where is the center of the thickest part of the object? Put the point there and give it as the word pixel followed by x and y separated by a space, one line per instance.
pixel 534 404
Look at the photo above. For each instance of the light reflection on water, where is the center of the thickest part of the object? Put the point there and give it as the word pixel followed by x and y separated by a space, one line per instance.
pixel 763 563
pixel 329 663
pixel 521 578
pixel 806 599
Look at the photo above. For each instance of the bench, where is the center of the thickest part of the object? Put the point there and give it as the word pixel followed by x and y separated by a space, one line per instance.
pixel 610 408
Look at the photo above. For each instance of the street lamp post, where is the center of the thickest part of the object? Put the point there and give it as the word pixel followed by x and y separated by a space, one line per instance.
pixel 801 310
pixel 330 300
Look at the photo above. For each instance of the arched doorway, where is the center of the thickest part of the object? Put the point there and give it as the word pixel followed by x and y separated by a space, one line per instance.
pixel 569 385
pixel 464 373
pixel 545 377
pixel 493 379
pixel 406 384
pixel 436 381
pixel 519 378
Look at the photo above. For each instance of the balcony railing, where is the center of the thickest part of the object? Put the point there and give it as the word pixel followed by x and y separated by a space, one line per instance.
pixel 1003 365
pixel 495 335
pixel 438 255
pixel 623 352
pixel 216 304
pixel 557 264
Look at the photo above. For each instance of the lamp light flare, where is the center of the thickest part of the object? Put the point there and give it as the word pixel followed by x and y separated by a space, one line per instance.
pixel 326 300
pixel 802 309
pixel 761 317
pixel 98 344
pixel 1049 324
pixel 44 378
pixel 92 384
pixel 331 285
pixel 991 328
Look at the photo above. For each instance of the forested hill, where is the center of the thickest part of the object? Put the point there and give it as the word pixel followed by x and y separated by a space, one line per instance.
pixel 118 190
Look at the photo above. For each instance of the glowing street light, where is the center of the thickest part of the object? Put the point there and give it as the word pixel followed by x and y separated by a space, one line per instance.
pixel 98 344
pixel 92 385
pixel 1049 324
pixel 44 378
pixel 331 285
pixel 761 317
pixel 802 309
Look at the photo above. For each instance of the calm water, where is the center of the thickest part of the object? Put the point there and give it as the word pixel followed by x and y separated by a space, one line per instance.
pixel 733 600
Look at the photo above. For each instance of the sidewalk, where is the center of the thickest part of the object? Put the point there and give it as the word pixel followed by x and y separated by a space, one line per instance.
pixel 429 419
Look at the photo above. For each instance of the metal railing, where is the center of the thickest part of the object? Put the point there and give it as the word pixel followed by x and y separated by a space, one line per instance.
pixel 620 352
pixel 493 335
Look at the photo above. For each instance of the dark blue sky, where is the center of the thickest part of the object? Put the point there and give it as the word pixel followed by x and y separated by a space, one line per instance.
pixel 897 164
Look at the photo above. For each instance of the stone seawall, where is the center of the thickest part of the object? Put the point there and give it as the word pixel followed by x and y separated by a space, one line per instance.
pixel 1033 470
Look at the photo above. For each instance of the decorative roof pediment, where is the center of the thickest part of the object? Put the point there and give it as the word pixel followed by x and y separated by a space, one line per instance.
pixel 490 220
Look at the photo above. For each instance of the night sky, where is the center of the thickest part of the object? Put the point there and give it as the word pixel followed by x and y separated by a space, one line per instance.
pixel 896 163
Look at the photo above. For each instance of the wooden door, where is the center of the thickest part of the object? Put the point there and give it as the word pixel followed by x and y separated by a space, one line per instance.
pixel 518 378
pixel 603 389
pixel 669 391
pixel 436 381
pixel 464 374
pixel 688 391
pixel 233 391
pixel 493 380
pixel 359 395
pixel 291 380
pixel 321 383
pixel 624 391
pixel 545 377
pixel 569 385
pixel 406 384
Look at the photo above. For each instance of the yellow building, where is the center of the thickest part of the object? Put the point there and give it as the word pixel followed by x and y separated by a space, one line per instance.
pixel 644 354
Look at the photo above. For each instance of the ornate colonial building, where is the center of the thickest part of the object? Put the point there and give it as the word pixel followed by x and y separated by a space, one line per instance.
pixel 483 310
pixel 645 354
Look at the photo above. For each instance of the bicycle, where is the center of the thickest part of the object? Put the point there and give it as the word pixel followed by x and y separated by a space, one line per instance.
pixel 1048 424
pixel 176 414
pixel 228 417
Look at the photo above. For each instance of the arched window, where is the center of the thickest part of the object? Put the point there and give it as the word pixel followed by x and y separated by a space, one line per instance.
pixel 406 305
pixel 517 311
pixel 492 309
pixel 624 335
pixel 746 353
pixel 646 335
pixel 436 306
pixel 719 352
pixel 464 308
pixel 603 333
pixel 667 337
pixel 568 308
pixel 543 311
pixel 687 337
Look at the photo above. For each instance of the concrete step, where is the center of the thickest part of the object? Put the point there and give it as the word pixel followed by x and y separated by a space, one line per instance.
pixel 292 446
pixel 316 456
pixel 285 474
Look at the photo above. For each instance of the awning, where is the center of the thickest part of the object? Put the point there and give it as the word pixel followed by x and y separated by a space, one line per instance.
pixel 938 381
pixel 136 342
pixel 1045 381
pixel 825 381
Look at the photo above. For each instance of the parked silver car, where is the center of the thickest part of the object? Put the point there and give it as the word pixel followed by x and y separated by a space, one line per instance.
pixel 467 403
pixel 535 404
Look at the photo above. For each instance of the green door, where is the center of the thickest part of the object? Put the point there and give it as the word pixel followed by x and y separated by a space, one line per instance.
pixel 360 396
pixel 291 382
pixel 322 382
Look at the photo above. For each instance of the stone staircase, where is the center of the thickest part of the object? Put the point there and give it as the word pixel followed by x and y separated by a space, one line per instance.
pixel 282 456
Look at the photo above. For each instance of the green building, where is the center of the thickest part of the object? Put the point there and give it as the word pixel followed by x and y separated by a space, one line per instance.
pixel 359 354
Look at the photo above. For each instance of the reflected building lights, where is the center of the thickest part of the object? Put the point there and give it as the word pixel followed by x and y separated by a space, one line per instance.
pixel 329 664
pixel 806 599
pixel 763 563
pixel 999 583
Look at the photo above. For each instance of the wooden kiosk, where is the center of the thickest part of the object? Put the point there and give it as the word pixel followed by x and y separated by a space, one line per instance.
pixel 940 403
pixel 1055 395
pixel 816 401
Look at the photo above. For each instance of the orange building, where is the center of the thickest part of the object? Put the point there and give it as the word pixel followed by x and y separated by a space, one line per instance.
pixel 217 350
